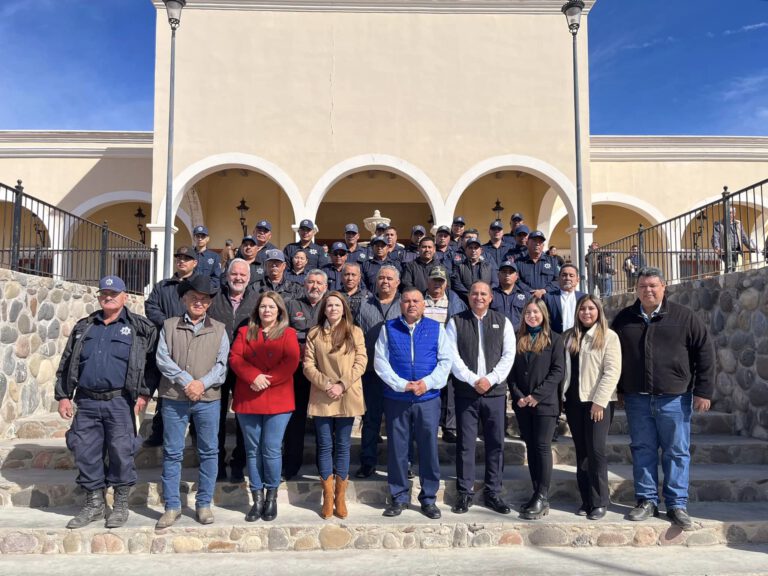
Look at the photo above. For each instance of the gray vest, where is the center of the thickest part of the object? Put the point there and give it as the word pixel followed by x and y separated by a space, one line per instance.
pixel 467 339
pixel 193 353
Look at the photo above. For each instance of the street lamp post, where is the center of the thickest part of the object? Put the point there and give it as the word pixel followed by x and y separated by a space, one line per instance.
pixel 173 7
pixel 572 10
pixel 243 208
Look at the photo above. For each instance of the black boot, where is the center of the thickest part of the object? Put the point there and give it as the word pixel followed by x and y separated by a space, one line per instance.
pixel 258 506
pixel 93 509
pixel 270 505
pixel 119 515
pixel 537 508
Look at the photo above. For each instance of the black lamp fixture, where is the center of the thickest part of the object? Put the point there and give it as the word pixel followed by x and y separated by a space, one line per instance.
pixel 39 231
pixel 498 208
pixel 174 8
pixel 140 216
pixel 243 208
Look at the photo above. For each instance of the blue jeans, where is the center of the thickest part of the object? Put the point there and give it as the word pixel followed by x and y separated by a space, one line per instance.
pixel 263 435
pixel 333 441
pixel 176 416
pixel 664 422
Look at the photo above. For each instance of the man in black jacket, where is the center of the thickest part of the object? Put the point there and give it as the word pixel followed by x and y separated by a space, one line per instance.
pixel 232 306
pixel 485 342
pixel 165 302
pixel 416 272
pixel 108 368
pixel 472 269
pixel 668 369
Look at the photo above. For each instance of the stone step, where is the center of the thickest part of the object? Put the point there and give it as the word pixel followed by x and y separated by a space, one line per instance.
pixel 705 449
pixel 52 426
pixel 37 488
pixel 299 528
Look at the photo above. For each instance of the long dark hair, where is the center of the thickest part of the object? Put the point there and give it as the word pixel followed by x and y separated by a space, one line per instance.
pixel 254 322
pixel 341 334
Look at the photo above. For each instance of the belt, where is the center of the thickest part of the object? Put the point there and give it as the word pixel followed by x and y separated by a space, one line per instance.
pixel 95 395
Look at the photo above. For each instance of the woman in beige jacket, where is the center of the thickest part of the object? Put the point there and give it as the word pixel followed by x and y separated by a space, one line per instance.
pixel 592 369
pixel 334 363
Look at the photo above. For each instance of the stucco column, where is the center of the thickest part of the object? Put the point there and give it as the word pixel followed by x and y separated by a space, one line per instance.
pixel 589 232
pixel 157 238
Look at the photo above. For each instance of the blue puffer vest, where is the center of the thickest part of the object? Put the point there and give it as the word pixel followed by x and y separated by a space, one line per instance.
pixel 425 345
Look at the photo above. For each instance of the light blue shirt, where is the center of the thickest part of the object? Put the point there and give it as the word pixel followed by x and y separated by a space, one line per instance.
pixel 175 374
pixel 434 381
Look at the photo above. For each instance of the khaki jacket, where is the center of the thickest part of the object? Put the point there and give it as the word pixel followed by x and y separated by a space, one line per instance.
pixel 599 370
pixel 324 368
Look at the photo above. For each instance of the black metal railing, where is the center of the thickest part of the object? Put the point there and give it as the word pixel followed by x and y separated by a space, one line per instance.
pixel 41 239
pixel 698 244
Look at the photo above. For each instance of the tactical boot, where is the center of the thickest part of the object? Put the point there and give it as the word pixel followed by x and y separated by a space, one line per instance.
pixel 93 509
pixel 119 515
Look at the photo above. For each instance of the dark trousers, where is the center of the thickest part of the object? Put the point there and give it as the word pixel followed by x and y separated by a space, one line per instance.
pixel 103 441
pixel 448 408
pixel 374 411
pixel 589 438
pixel 237 460
pixel 421 420
pixel 293 441
pixel 536 431
pixel 490 413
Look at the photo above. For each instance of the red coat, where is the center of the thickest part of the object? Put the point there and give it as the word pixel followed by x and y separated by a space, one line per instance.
pixel 278 358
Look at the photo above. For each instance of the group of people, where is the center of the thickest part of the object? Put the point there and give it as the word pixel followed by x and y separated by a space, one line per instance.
pixel 429 336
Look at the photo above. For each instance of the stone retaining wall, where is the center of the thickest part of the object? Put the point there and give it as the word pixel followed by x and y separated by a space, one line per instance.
pixel 735 309
pixel 36 316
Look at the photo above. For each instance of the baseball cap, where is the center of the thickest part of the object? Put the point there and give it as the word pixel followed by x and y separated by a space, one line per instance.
pixel 522 229
pixel 536 234
pixel 377 239
pixel 114 283
pixel 497 224
pixel 382 226
pixel 508 264
pixel 339 246
pixel 459 220
pixel 264 224
pixel 439 272
pixel 351 228
pixel 517 216
pixel 307 223
pixel 418 228
pixel 474 240
pixel 275 255
pixel 200 230
pixel 187 251
pixel 445 229
pixel 248 238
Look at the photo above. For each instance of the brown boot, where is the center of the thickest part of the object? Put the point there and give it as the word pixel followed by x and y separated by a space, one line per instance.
pixel 327 510
pixel 341 497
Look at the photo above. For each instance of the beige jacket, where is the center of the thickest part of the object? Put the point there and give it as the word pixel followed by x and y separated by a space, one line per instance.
pixel 324 368
pixel 599 370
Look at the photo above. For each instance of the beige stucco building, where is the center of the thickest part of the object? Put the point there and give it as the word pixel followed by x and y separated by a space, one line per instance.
pixel 329 110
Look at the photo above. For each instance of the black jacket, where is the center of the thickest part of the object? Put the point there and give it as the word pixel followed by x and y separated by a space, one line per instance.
pixel 142 377
pixel 164 302
pixel 540 376
pixel 416 273
pixel 673 354
pixel 465 274
pixel 222 310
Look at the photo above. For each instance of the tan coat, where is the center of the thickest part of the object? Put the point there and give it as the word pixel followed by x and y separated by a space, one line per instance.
pixel 324 368
pixel 599 370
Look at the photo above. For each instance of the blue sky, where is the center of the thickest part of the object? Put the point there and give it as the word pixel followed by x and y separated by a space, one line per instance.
pixel 656 67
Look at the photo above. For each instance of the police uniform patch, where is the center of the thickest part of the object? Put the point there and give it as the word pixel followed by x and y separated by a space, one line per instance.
pixel 547 265
pixel 125 330
pixel 312 251
pixel 210 260
pixel 259 270
pixel 109 281
pixel 521 296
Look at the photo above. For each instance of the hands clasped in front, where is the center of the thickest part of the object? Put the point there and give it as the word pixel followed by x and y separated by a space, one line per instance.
pixel 527 401
pixel 194 390
pixel 261 382
pixel 418 387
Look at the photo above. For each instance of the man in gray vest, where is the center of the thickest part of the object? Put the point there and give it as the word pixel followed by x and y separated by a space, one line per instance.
pixel 485 342
pixel 192 357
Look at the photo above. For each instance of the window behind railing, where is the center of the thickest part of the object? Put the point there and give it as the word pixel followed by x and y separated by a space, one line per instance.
pixel 41 239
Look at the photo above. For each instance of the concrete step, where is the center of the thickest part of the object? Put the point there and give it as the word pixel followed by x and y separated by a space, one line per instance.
pixel 299 528
pixel 52 426
pixel 52 453
pixel 38 488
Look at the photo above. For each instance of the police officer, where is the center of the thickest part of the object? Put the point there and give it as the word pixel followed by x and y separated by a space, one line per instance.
pixel 538 274
pixel 316 257
pixel 496 248
pixel 334 269
pixel 108 368
pixel 208 261
pixel 508 297
pixel 355 253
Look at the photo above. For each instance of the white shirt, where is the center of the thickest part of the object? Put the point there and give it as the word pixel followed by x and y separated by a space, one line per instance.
pixel 500 371
pixel 568 306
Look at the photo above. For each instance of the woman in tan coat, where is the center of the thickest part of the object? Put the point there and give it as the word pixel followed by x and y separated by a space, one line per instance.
pixel 334 363
pixel 592 369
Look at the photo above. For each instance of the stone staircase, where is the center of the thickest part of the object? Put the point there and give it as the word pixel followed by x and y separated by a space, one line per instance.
pixel 729 501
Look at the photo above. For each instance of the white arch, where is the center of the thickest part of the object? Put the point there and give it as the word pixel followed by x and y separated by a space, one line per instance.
pixel 376 162
pixel 202 168
pixel 528 164
pixel 123 196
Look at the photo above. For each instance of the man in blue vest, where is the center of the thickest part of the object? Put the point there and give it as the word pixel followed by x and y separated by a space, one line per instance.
pixel 413 358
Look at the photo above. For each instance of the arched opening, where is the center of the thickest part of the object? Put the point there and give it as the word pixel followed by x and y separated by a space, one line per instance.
pixel 355 197
pixel 34 254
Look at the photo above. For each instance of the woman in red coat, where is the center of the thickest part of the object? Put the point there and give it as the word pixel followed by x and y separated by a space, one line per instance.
pixel 264 356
